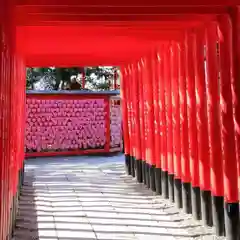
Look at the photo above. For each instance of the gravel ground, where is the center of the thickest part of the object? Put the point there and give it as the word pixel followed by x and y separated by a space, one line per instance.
pixel 91 198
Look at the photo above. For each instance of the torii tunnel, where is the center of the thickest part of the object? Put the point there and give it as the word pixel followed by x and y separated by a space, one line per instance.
pixel 180 72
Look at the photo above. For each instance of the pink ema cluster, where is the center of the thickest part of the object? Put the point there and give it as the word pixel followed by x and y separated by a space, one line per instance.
pixel 116 126
pixel 65 125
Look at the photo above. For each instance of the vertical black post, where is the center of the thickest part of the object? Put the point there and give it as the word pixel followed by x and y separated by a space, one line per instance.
pixel 186 194
pixel 196 203
pixel 158 179
pixel 206 206
pixel 132 164
pixel 165 192
pixel 171 187
pixel 178 192
pixel 139 171
pixel 152 177
pixel 147 176
pixel 128 164
pixel 218 214
pixel 144 172
pixel 232 221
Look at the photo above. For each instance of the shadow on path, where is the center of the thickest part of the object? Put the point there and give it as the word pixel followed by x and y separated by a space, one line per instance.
pixel 92 198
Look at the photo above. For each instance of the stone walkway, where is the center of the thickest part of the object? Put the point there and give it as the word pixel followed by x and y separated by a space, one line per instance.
pixel 91 198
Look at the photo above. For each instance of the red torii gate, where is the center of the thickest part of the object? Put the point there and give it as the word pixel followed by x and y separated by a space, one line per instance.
pixel 181 119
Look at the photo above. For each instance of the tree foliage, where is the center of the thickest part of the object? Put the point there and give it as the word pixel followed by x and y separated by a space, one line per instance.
pixel 96 78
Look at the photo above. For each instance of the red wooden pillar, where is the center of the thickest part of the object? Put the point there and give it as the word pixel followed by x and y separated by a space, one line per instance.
pixel 175 61
pixel 163 126
pixel 1 162
pixel 150 105
pixel 9 92
pixel 142 120
pixel 202 127
pixel 235 15
pixel 148 108
pixel 7 59
pixel 156 80
pixel 5 136
pixel 124 103
pixel 20 77
pixel 19 117
pixel 214 124
pixel 131 120
pixel 3 143
pixel 192 127
pixel 168 96
pixel 186 177
pixel 131 127
pixel 138 156
pixel 230 172
pixel 14 115
pixel 22 72
pixel 3 165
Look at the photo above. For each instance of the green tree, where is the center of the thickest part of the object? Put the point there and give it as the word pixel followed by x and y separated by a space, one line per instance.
pixel 96 78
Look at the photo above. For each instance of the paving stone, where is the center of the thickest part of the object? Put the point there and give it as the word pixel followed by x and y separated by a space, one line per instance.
pixel 67 219
pixel 67 234
pixel 92 198
pixel 74 226
pixel 119 236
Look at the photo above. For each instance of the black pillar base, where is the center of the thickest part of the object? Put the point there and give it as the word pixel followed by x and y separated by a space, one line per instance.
pixel 139 171
pixel 186 195
pixel 123 146
pixel 152 178
pixel 218 215
pixel 23 172
pixel 165 191
pixel 11 224
pixel 12 220
pixel 144 172
pixel 171 187
pixel 232 223
pixel 147 176
pixel 132 163
pixel 14 213
pixel 127 164
pixel 206 206
pixel 158 177
pixel 178 192
pixel 20 182
pixel 196 203
pixel 20 176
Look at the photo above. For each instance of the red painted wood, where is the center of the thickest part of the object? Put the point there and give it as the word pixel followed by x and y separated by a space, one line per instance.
pixel 186 175
pixel 111 9
pixel 175 60
pixel 191 110
pixel 122 33
pixel 148 68
pixel 235 17
pixel 168 96
pixel 129 111
pixel 213 102
pixel 142 112
pixel 157 146
pixel 135 83
pixel 201 112
pixel 65 153
pixel 163 121
pixel 125 111
pixel 230 164
pixel 132 3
